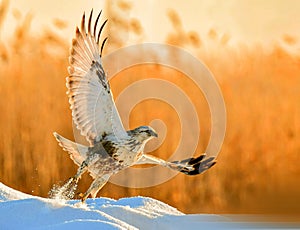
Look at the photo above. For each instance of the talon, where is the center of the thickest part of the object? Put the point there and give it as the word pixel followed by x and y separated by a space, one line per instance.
pixel 81 195
pixel 83 198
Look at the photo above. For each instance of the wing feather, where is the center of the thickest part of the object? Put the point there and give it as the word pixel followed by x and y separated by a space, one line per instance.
pixel 191 166
pixel 78 152
pixel 91 101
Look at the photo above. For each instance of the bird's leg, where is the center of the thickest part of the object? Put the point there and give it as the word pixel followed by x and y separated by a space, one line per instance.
pixel 82 169
pixel 97 184
pixel 68 189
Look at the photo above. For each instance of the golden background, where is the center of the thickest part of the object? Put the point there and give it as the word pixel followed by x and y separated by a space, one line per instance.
pixel 258 167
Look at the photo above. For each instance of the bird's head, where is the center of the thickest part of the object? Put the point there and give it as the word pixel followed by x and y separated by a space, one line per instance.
pixel 143 133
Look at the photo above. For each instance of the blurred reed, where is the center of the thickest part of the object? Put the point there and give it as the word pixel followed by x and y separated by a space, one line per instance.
pixel 257 169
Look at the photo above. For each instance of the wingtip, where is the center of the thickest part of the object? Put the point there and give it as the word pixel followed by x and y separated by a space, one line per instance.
pixel 77 34
pixel 102 46
pixel 100 31
pixel 56 135
pixel 83 23
pixel 212 164
pixel 90 21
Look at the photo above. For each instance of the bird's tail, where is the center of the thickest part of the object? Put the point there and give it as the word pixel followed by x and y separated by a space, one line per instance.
pixel 78 152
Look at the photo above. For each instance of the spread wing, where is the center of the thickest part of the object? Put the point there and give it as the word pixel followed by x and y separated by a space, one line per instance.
pixel 93 109
pixel 191 166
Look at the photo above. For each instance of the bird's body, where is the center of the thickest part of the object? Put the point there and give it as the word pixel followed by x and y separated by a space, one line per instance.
pixel 121 153
pixel 94 113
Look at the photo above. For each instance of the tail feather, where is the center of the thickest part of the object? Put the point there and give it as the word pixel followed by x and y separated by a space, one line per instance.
pixel 78 152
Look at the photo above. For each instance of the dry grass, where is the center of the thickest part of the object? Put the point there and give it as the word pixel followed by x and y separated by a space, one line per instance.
pixel 257 169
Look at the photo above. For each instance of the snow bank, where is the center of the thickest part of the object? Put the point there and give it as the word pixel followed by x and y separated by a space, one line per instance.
pixel 22 211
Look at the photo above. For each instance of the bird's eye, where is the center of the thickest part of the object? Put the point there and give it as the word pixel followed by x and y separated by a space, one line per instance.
pixel 145 131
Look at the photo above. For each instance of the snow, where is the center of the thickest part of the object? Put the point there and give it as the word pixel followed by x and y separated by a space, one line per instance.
pixel 22 211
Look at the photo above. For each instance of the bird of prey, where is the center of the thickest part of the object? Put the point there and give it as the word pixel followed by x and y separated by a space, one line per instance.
pixel 111 148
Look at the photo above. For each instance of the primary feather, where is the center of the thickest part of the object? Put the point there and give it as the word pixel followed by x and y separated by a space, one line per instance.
pixel 93 109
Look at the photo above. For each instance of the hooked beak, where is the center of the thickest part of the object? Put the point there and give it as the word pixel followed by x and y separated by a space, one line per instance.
pixel 153 134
